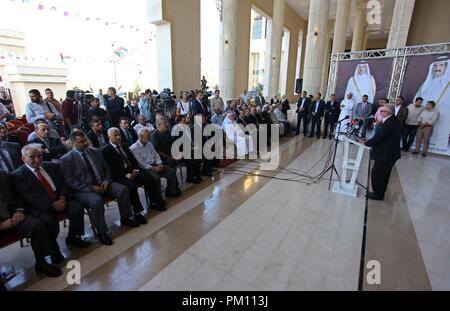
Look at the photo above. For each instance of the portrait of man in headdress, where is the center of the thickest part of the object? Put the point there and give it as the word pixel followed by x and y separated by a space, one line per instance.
pixel 436 88
pixel 362 83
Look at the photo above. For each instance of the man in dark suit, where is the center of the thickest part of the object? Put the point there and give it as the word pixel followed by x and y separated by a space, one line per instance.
pixel 115 106
pixel 385 152
pixel 362 112
pixel 125 171
pixel 332 112
pixel 303 106
pixel 42 189
pixel 198 105
pixel 127 133
pixel 131 112
pixel 317 112
pixel 9 156
pixel 97 135
pixel 260 100
pixel 401 112
pixel 52 148
pixel 15 219
pixel 89 177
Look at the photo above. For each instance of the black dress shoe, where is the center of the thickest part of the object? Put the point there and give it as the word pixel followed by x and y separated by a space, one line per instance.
pixel 158 207
pixel 77 242
pixel 311 136
pixel 414 152
pixel 193 181
pixel 105 239
pixel 374 196
pixel 49 270
pixel 129 223
pixel 177 194
pixel 57 258
pixel 140 219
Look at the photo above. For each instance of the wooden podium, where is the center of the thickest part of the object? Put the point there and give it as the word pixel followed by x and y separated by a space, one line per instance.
pixel 345 187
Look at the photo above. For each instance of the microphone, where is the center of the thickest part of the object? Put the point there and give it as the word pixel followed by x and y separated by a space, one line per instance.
pixel 369 118
pixel 346 118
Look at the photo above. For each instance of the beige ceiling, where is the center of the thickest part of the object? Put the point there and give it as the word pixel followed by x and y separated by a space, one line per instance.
pixel 376 31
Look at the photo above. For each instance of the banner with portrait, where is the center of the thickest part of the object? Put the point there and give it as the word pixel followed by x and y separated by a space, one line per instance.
pixel 428 76
pixel 369 77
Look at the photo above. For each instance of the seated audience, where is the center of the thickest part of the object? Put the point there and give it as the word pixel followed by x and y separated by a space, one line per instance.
pixel 89 177
pixel 68 143
pixel 143 123
pixel 150 162
pixel 51 148
pixel 51 133
pixel 10 158
pixel 281 118
pixel 95 112
pixel 193 166
pixel 4 113
pixel 97 134
pixel 128 134
pixel 162 141
pixel 14 219
pixel 125 171
pixel 251 116
pixel 44 193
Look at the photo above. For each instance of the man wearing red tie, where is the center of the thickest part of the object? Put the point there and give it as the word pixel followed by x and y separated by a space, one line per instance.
pixel 44 193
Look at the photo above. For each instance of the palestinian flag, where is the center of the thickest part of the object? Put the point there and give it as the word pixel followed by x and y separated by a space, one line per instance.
pixel 121 51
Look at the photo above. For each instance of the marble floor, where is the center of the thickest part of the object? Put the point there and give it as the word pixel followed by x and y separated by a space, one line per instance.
pixel 245 229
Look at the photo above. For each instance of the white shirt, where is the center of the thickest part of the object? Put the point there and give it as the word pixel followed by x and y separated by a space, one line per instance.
pixel 36 111
pixel 44 174
pixel 397 109
pixel 279 114
pixel 384 119
pixel 146 156
pixel 184 107
pixel 3 110
pixel 139 127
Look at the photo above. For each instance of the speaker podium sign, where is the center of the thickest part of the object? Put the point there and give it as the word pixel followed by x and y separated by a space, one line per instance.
pixel 350 165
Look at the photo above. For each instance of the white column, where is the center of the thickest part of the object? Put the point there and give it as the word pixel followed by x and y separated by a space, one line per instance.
pixel 229 48
pixel 360 27
pixel 401 21
pixel 341 26
pixel 315 45
pixel 267 58
pixel 326 65
pixel 366 41
pixel 276 46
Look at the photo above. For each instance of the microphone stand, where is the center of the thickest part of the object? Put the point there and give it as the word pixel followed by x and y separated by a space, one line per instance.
pixel 332 168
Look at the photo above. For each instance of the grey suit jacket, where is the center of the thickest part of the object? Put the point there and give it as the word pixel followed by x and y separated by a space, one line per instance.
pixel 364 113
pixel 75 171
pixel 15 153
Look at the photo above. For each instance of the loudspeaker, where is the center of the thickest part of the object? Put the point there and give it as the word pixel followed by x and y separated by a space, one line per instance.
pixel 298 86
